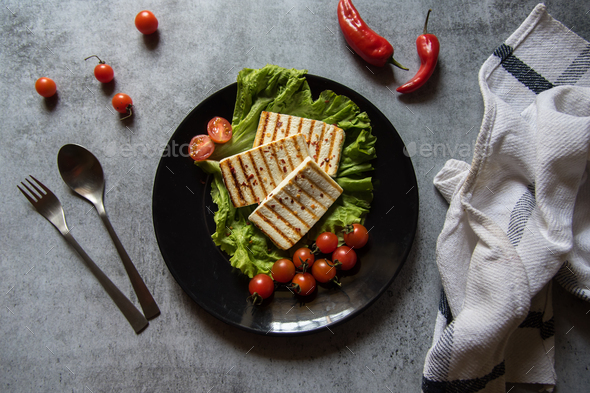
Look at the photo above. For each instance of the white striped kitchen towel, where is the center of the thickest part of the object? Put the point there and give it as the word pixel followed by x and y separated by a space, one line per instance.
pixel 518 216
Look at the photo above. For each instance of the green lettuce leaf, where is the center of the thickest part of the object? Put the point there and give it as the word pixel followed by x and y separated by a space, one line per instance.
pixel 276 89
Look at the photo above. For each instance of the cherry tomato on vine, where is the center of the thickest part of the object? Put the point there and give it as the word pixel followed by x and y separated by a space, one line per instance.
pixel 303 255
pixel 146 22
pixel 45 87
pixel 283 271
pixel 346 256
pixel 327 242
pixel 201 147
pixel 356 235
pixel 219 129
pixel 303 284
pixel 102 72
pixel 323 270
pixel 122 104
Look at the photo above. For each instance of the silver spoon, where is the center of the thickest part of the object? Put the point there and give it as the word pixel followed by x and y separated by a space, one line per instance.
pixel 82 172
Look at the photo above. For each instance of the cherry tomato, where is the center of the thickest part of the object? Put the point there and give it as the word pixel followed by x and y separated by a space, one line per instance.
pixel 283 271
pixel 327 242
pixel 122 103
pixel 261 284
pixel 322 270
pixel 346 256
pixel 102 72
pixel 303 255
pixel 219 130
pixel 201 147
pixel 45 87
pixel 305 284
pixel 146 22
pixel 356 236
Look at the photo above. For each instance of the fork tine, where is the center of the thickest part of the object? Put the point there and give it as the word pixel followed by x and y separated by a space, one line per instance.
pixel 27 195
pixel 41 185
pixel 31 192
pixel 41 193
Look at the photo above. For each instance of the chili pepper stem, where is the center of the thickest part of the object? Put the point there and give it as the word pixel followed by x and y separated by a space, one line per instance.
pixel 426 22
pixel 395 63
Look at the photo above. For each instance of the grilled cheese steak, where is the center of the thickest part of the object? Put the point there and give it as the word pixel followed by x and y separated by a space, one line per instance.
pixel 324 140
pixel 297 203
pixel 250 176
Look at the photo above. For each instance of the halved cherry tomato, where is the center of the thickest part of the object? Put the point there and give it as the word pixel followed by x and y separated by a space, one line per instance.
pixel 356 235
pixel 303 255
pixel 219 129
pixel 327 242
pixel 283 271
pixel 346 256
pixel 146 22
pixel 45 87
pixel 323 270
pixel 201 147
pixel 303 284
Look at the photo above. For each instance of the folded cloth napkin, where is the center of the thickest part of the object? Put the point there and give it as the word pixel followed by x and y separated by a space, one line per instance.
pixel 518 216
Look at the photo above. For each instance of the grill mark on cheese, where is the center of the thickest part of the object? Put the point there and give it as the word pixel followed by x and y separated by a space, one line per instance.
pixel 285 222
pixel 293 212
pixel 274 154
pixel 300 205
pixel 320 141
pixel 327 153
pixel 322 191
pixel 280 218
pixel 328 179
pixel 296 146
pixel 330 152
pixel 261 127
pixel 225 169
pixel 267 168
pixel 275 228
pixel 286 214
pixel 257 174
pixel 246 183
pixel 274 131
pixel 232 171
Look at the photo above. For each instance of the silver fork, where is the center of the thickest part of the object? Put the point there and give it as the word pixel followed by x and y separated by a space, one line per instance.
pixel 47 204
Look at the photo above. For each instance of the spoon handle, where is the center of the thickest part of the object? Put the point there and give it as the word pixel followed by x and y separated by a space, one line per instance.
pixel 147 302
pixel 135 318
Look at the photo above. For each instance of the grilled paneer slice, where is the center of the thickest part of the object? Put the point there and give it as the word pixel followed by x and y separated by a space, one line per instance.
pixel 298 202
pixel 251 176
pixel 324 140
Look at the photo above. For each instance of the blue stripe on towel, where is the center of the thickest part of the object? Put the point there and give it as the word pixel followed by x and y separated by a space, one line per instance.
pixel 525 74
pixel 444 308
pixel 520 215
pixel 576 69
pixel 462 385
pixel 567 279
pixel 535 320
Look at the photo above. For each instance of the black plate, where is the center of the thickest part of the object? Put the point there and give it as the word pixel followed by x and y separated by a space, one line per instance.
pixel 183 221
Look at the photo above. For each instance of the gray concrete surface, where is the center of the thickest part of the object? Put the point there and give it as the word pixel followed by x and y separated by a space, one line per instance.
pixel 58 329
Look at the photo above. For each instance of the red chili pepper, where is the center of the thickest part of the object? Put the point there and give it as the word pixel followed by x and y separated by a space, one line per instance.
pixel 428 48
pixel 369 45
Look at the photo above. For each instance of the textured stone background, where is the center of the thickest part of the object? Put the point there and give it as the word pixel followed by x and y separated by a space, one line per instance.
pixel 58 329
